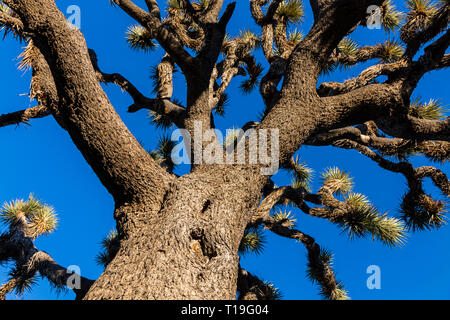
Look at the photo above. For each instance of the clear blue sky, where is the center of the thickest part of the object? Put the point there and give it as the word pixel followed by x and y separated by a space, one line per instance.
pixel 42 159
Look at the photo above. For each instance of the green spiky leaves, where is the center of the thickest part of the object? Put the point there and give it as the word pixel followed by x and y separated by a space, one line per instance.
pixel 173 4
pixel 199 5
pixel 291 11
pixel 161 121
pixel 300 172
pixel 220 108
pixel 110 246
pixel 23 282
pixel 420 212
pixel 270 292
pixel 423 10
pixel 140 38
pixel 253 241
pixel 362 219
pixel 37 217
pixel 285 218
pixel 294 37
pixel 246 43
pixel 337 180
pixel 43 221
pixel 319 271
pixel 348 47
pixel 253 70
pixel 391 51
pixel 163 153
pixel 391 18
pixel 249 40
pixel 418 18
pixel 431 110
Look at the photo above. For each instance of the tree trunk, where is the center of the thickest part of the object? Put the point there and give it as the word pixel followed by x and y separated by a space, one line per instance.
pixel 189 249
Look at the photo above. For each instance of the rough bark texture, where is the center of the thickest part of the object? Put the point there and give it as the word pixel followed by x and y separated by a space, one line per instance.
pixel 188 250
pixel 179 236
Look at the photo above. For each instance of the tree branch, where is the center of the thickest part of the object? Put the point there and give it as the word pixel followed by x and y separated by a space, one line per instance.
pixel 162 106
pixel 169 43
pixel 19 246
pixel 23 116
pixel 120 162
pixel 323 272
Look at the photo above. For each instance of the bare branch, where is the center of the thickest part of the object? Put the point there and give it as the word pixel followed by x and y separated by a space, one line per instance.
pixel 23 116
pixel 161 105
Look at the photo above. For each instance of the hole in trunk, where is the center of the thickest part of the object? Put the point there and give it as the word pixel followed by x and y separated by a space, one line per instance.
pixel 202 244
pixel 206 206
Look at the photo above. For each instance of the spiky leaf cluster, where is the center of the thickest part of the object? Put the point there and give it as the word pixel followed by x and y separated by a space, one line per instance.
pixel 163 152
pixel 437 151
pixel 39 218
pixel 269 292
pixel 23 281
pixel 43 221
pixel 421 212
pixel 291 11
pixel 220 108
pixel 173 4
pixel 400 154
pixel 337 180
pixel 391 51
pixel 253 241
pixel 419 16
pixel 197 5
pixel 317 270
pixel 362 219
pixel 161 121
pixel 248 41
pixel 253 70
pixel 294 37
pixel 110 246
pixel 300 172
pixel 391 18
pixel 431 110
pixel 423 10
pixel 140 38
pixel 286 218
pixel 348 46
pixel 14 30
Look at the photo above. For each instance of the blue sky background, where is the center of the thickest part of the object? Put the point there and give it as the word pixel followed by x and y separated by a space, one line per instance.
pixel 41 159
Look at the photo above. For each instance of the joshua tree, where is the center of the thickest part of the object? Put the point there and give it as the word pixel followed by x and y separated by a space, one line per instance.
pixel 179 237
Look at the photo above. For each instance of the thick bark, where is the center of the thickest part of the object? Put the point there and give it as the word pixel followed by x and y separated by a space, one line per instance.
pixel 188 250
